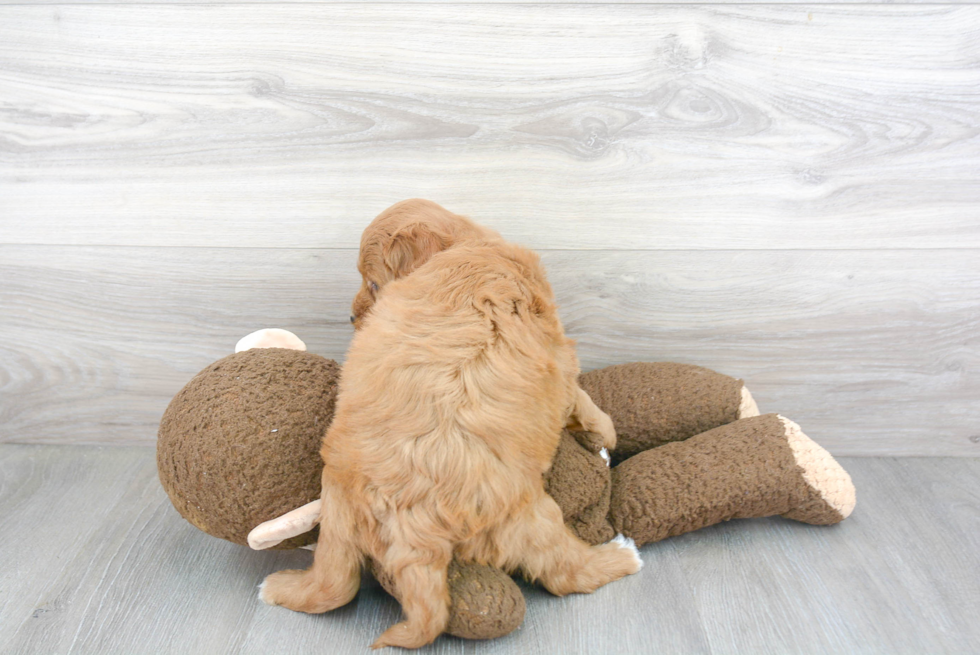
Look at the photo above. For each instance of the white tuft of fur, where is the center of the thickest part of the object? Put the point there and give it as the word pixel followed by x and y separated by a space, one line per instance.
pixel 262 593
pixel 604 453
pixel 630 545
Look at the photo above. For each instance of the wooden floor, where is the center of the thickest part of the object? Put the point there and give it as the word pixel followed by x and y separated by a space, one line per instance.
pixel 96 560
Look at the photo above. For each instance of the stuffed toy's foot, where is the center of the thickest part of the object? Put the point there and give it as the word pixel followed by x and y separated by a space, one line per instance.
pixel 746 404
pixel 832 495
pixel 754 467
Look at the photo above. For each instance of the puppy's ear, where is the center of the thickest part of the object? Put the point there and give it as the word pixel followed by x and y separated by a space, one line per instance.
pixel 412 246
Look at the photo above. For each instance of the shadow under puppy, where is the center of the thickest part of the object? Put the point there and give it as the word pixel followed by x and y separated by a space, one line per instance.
pixel 450 407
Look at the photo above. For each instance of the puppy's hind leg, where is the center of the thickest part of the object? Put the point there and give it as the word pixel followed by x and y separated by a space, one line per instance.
pixel 539 542
pixel 420 578
pixel 335 576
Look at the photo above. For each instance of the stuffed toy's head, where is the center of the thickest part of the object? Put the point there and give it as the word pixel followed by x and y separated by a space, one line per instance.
pixel 240 443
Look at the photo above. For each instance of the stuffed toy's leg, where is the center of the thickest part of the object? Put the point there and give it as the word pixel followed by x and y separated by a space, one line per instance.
pixel 754 467
pixel 654 403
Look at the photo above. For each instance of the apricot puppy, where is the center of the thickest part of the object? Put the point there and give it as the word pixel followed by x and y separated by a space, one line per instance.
pixel 404 237
pixel 449 410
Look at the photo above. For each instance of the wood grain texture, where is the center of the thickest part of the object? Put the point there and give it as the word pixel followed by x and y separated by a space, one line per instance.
pixel 565 126
pixel 96 560
pixel 518 2
pixel 871 352
pixel 907 527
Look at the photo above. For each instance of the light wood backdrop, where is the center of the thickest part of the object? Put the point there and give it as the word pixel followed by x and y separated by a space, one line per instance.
pixel 786 193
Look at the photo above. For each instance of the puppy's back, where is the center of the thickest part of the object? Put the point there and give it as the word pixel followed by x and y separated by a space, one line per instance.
pixel 483 307
pixel 463 374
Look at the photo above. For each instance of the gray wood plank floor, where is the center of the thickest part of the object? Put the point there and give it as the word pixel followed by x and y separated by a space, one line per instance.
pixel 95 560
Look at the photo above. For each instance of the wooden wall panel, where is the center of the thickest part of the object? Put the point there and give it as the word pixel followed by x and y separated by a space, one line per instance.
pixel 574 127
pixel 786 193
pixel 872 352
pixel 489 2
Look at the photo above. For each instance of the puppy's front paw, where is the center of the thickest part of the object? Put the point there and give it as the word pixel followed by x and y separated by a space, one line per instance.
pixel 603 426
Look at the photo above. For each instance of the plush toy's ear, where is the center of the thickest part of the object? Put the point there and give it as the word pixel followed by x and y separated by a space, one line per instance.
pixel 270 338
pixel 412 246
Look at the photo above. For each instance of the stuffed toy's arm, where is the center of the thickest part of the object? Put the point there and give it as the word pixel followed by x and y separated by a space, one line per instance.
pixel 693 451
pixel 291 524
pixel 654 403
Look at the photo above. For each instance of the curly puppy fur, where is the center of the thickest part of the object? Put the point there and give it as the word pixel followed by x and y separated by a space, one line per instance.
pixel 450 407
pixel 404 237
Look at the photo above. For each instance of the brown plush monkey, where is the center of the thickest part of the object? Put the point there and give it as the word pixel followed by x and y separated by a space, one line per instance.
pixel 238 454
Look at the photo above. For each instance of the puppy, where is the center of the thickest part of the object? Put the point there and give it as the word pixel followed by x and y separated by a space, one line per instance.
pixel 404 237
pixel 450 407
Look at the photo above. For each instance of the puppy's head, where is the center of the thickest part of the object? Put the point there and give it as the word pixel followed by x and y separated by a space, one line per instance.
pixel 402 238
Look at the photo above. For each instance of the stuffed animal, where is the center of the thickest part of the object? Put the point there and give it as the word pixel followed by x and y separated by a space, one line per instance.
pixel 238 454
pixel 240 445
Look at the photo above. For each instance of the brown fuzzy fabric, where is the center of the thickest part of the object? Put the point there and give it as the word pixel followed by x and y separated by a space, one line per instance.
pixel 240 443
pixel 485 602
pixel 656 403
pixel 579 482
pixel 744 469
